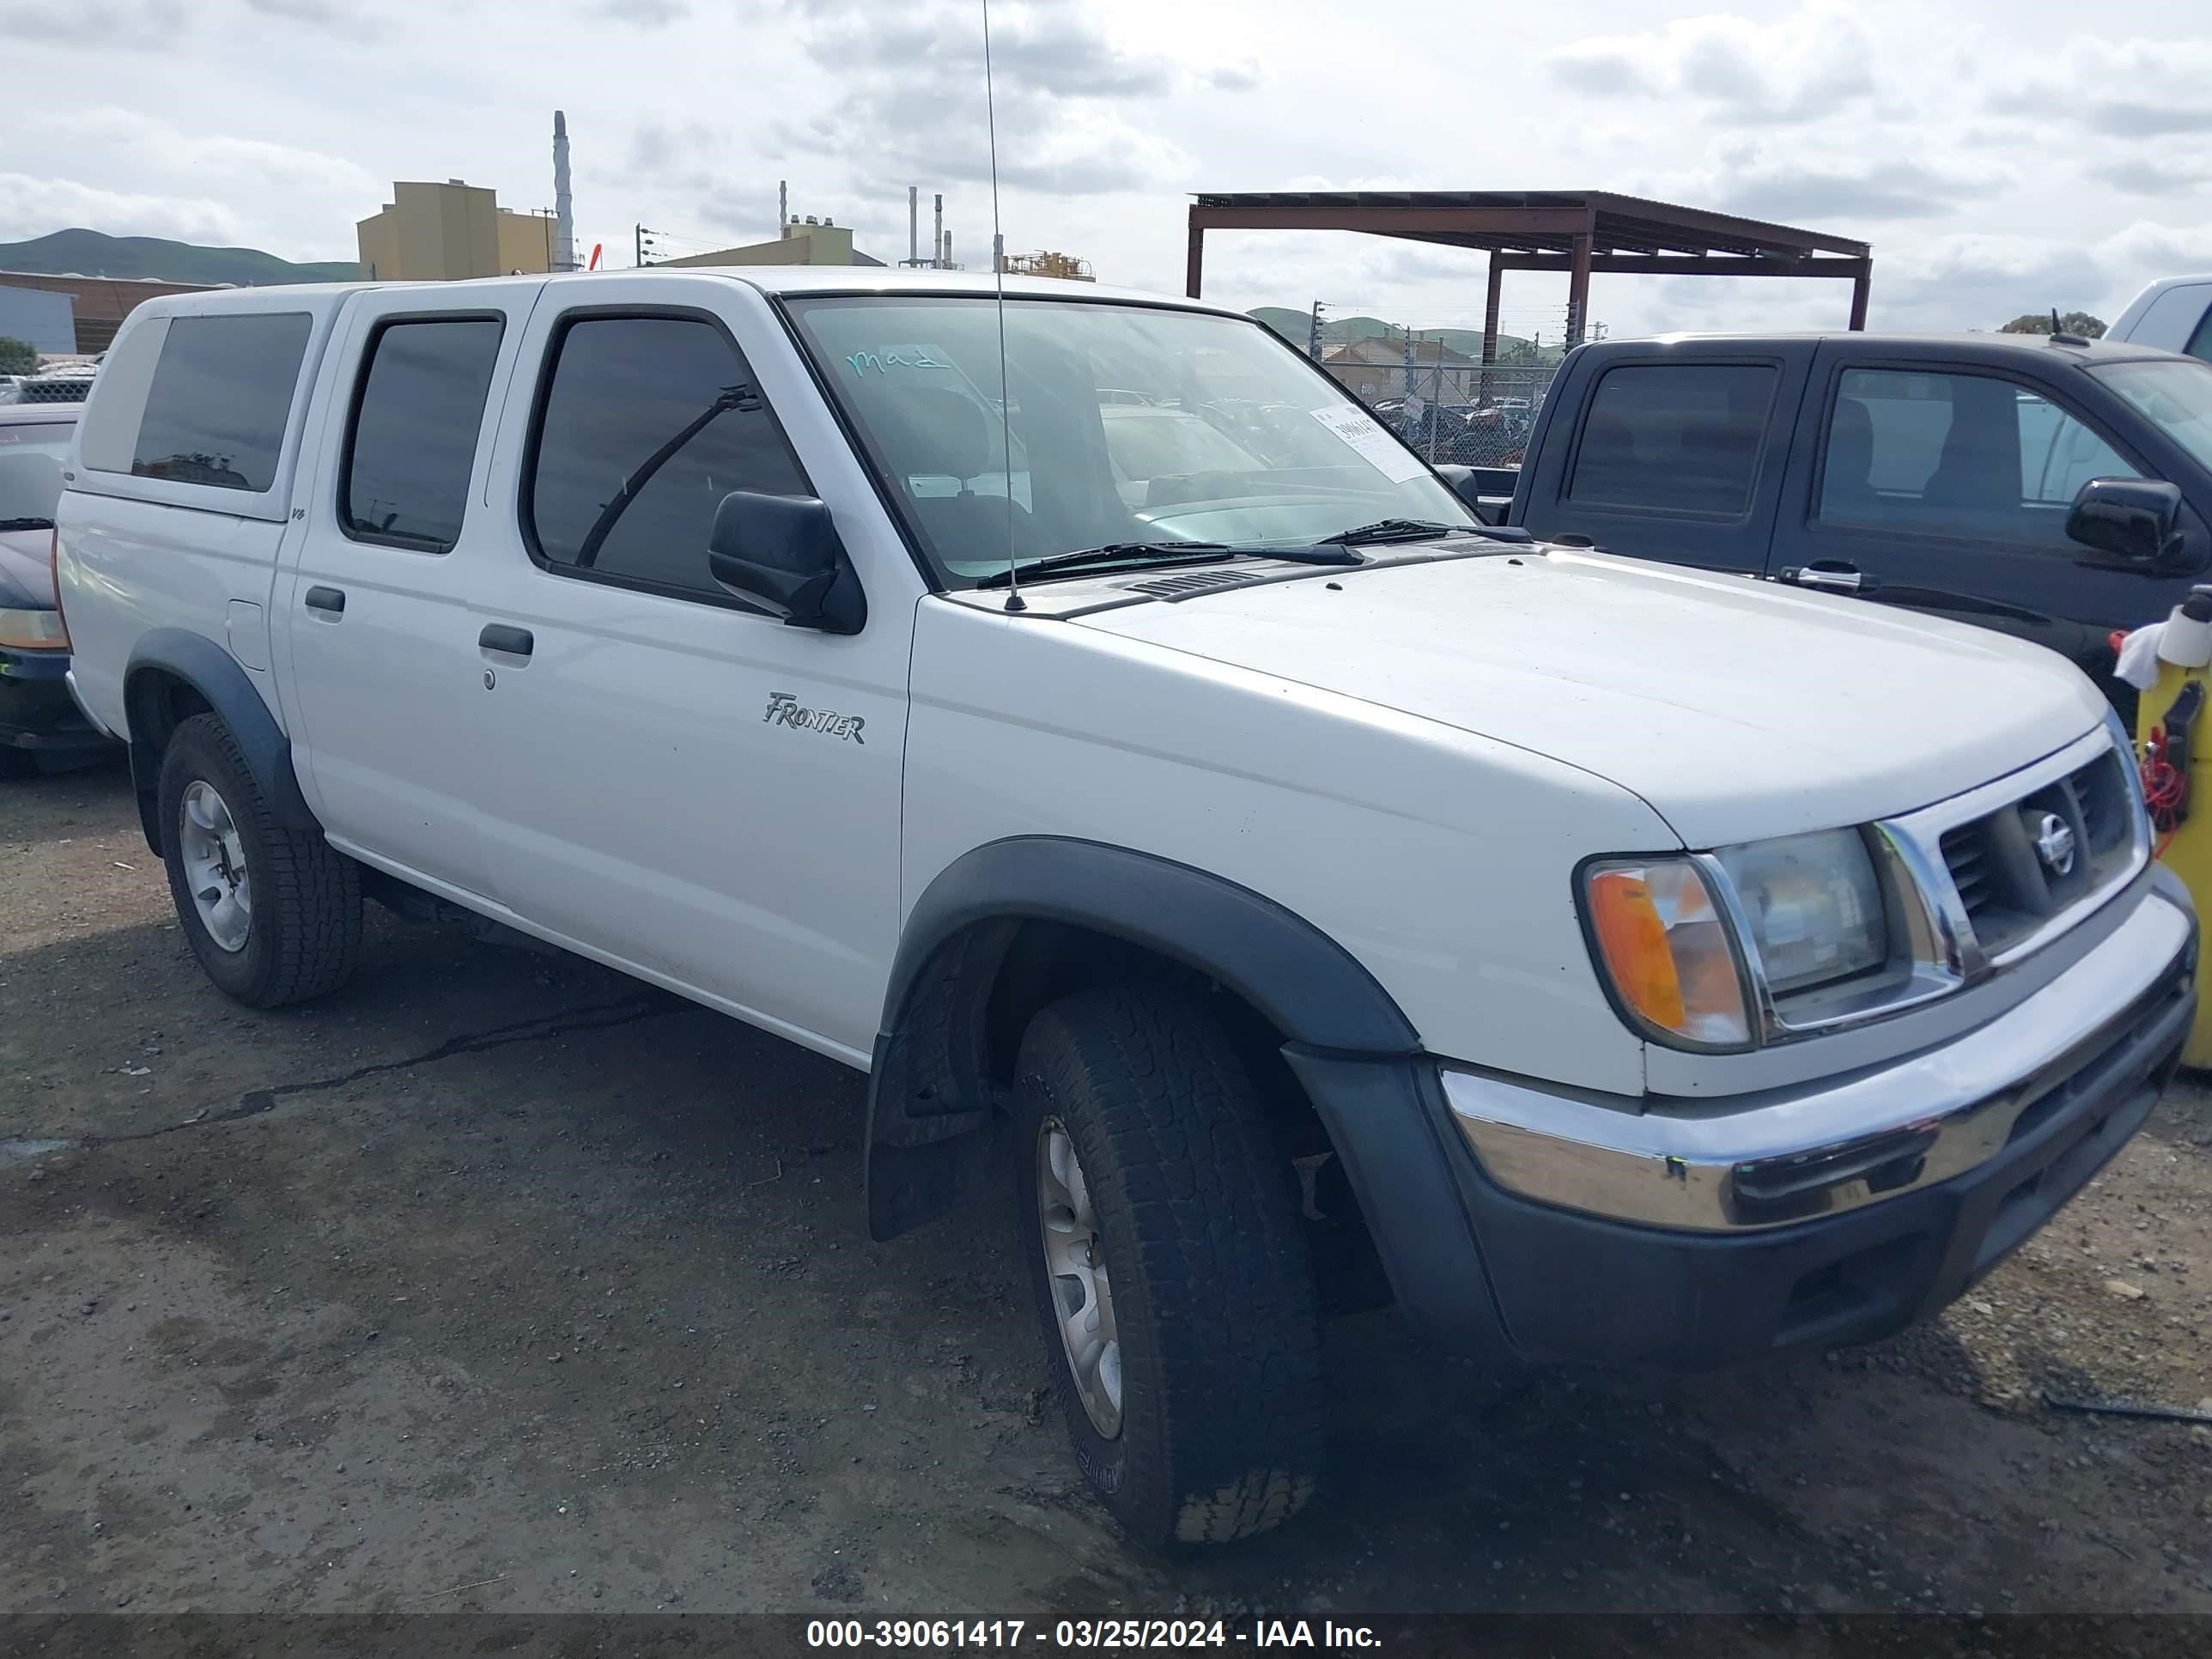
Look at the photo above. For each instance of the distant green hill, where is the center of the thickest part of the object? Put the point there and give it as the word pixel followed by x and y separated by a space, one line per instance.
pixel 1294 326
pixel 93 253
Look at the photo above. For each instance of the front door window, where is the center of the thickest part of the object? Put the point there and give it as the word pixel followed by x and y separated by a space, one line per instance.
pixel 1972 456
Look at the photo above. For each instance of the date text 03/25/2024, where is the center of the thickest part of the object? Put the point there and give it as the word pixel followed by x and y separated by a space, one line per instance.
pixel 1086 1633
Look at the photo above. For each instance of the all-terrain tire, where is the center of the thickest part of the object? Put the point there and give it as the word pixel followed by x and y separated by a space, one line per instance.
pixel 305 931
pixel 1221 1429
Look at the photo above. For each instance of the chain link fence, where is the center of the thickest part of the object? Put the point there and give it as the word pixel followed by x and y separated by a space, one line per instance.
pixel 1448 406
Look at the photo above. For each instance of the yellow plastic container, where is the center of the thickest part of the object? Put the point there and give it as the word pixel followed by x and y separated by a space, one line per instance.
pixel 2188 850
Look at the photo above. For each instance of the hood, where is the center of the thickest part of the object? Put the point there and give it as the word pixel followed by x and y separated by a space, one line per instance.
pixel 27 570
pixel 1738 710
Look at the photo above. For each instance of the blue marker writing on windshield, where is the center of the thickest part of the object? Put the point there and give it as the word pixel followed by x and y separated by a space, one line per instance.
pixel 900 356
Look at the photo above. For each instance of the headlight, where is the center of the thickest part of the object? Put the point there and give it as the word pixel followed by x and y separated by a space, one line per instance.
pixel 1690 944
pixel 1813 906
pixel 33 630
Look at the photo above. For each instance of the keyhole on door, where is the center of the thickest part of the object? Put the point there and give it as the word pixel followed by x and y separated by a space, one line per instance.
pixel 489 679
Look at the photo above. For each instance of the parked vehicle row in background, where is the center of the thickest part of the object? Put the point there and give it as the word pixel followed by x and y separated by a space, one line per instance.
pixel 39 723
pixel 58 383
pixel 2050 488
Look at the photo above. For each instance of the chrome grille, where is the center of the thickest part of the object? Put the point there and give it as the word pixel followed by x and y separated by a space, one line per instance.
pixel 1967 859
pixel 2020 866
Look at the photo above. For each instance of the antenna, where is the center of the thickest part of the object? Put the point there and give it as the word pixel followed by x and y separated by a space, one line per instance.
pixel 999 286
pixel 564 242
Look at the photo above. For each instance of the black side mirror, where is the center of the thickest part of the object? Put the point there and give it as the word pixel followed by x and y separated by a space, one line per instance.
pixel 1467 487
pixel 782 554
pixel 2134 519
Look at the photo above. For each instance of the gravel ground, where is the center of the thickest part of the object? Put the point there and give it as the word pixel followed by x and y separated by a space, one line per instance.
pixel 499 1282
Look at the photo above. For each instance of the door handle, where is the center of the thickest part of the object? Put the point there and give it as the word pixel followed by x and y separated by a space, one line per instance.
pixel 1832 578
pixel 498 636
pixel 329 600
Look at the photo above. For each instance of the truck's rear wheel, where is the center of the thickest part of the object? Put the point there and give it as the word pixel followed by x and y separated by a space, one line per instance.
pixel 1161 1227
pixel 273 915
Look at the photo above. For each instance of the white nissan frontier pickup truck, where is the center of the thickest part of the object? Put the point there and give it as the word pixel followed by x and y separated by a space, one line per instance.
pixel 1078 713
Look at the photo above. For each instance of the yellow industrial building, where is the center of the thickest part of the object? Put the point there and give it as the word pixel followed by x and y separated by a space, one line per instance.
pixel 804 242
pixel 431 233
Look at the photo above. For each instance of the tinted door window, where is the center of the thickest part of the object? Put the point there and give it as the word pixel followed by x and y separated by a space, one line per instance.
pixel 414 439
pixel 627 392
pixel 221 396
pixel 1966 455
pixel 1675 437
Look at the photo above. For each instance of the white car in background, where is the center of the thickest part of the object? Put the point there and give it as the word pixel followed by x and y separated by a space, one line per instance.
pixel 40 727
pixel 2175 313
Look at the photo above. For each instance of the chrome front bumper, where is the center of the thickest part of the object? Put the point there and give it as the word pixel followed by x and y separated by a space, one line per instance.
pixel 1754 1162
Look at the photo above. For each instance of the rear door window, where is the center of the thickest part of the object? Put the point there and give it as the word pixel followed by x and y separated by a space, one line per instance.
pixel 404 478
pixel 221 398
pixel 646 423
pixel 1681 438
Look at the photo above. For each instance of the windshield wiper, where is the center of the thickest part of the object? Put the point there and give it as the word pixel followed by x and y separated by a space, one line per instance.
pixel 27 524
pixel 1394 529
pixel 1134 553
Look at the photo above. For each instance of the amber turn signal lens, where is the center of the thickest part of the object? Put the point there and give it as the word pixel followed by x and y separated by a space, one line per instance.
pixel 1662 945
pixel 1634 941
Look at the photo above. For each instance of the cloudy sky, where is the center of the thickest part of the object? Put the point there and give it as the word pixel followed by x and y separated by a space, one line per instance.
pixel 1998 155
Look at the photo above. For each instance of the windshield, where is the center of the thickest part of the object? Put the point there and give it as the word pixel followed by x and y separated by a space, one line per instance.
pixel 1166 443
pixel 2177 394
pixel 1130 424
pixel 31 473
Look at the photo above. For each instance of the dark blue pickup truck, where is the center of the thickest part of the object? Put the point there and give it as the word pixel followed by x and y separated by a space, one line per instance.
pixel 2048 486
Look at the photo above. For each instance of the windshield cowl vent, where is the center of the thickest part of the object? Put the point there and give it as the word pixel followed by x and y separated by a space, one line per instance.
pixel 1188 583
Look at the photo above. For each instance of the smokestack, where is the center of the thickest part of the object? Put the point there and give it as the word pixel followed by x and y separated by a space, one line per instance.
pixel 948 249
pixel 913 225
pixel 564 217
pixel 782 204
pixel 998 252
pixel 937 235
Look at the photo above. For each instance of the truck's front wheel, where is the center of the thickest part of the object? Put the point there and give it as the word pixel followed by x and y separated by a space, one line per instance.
pixel 273 915
pixel 1160 1226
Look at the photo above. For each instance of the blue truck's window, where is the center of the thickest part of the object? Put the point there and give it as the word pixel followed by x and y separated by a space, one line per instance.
pixel 1970 455
pixel 414 439
pixel 1674 437
pixel 221 396
pixel 622 389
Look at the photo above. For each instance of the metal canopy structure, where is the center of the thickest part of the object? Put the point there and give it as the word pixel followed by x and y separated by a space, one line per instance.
pixel 1577 232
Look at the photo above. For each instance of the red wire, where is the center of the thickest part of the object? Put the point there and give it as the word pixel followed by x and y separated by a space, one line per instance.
pixel 2165 791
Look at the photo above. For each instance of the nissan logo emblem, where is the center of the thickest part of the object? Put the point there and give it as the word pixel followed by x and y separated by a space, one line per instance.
pixel 2054 842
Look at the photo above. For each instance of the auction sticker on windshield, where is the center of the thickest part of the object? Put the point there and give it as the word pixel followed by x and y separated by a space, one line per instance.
pixel 1374 444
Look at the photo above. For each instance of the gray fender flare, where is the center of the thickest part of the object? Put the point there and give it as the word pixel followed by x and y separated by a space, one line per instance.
pixel 927 1098
pixel 212 672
